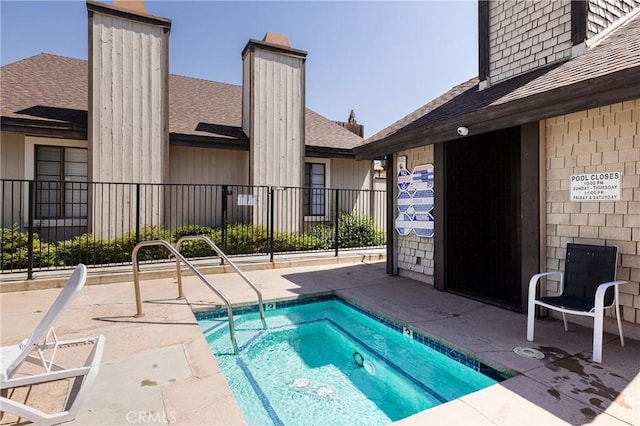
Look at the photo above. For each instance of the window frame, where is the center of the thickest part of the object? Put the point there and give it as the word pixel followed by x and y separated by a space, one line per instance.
pixel 63 180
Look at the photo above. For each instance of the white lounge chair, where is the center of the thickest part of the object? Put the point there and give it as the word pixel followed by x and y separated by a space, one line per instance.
pixel 33 349
pixel 588 286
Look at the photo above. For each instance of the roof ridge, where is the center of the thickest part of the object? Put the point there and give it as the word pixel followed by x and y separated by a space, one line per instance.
pixel 204 79
pixel 618 24
pixel 43 54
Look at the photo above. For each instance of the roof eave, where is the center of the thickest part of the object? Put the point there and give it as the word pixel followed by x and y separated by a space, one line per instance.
pixel 211 142
pixel 328 152
pixel 615 87
pixel 48 128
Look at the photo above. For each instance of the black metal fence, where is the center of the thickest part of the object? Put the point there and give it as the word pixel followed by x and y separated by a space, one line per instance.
pixel 50 224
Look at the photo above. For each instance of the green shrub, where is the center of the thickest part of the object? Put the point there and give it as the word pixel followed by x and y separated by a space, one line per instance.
pixel 147 233
pixel 90 250
pixel 283 241
pixel 245 239
pixel 353 231
pixel 196 248
pixel 15 253
pixel 324 235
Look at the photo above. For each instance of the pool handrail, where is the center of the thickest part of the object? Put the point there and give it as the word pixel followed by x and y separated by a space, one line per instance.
pixel 226 259
pixel 179 257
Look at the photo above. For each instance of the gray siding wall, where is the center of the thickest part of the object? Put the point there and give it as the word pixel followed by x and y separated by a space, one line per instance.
pixel 128 138
pixel 11 156
pixel 411 247
pixel 602 13
pixel 597 140
pixel 350 174
pixel 277 115
pixel 127 106
pixel 11 167
pixel 524 35
pixel 210 166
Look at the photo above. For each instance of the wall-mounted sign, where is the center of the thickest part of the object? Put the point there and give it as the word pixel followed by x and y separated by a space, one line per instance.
pixel 415 201
pixel 248 200
pixel 597 186
pixel 401 163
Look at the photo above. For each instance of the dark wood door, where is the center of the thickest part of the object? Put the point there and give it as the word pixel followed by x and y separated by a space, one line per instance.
pixel 482 209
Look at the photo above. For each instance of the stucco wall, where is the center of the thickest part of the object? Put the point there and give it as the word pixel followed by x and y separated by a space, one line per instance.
pixel 597 140
pixel 524 35
pixel 415 254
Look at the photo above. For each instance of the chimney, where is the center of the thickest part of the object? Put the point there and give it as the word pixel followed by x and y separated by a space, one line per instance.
pixel 128 126
pixel 352 125
pixel 128 93
pixel 273 110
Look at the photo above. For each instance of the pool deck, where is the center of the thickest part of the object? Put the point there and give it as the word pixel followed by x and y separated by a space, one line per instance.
pixel 158 369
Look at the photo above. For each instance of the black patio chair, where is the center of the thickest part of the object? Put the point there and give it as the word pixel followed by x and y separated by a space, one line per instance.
pixel 588 286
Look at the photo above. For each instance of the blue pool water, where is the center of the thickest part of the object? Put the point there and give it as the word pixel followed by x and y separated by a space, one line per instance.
pixel 330 362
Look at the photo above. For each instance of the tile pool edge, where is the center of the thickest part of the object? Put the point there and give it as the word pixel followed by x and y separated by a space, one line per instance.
pixel 463 357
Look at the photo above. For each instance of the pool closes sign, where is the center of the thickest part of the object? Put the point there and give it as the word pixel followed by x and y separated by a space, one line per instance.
pixel 601 186
pixel 415 201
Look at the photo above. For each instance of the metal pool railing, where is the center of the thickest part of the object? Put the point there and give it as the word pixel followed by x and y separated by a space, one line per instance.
pixel 176 253
pixel 226 259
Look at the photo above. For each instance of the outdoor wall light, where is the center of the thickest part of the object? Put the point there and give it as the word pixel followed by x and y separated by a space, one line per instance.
pixel 463 131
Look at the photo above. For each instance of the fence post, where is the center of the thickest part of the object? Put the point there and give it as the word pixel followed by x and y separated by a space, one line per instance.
pixel 336 220
pixel 30 218
pixel 272 193
pixel 224 206
pixel 137 213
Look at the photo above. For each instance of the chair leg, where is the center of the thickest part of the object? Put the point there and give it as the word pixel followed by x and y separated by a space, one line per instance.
pixel 531 316
pixel 619 324
pixel 598 321
pixel 564 320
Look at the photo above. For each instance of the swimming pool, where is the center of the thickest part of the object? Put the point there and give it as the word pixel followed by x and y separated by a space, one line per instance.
pixel 327 361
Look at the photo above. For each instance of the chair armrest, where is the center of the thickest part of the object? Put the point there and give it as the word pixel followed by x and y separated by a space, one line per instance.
pixel 58 372
pixel 45 377
pixel 533 282
pixel 601 290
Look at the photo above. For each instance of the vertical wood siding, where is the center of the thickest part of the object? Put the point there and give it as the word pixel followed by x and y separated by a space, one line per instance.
pixel 278 109
pixel 211 166
pixel 11 156
pixel 11 167
pixel 127 104
pixel 127 112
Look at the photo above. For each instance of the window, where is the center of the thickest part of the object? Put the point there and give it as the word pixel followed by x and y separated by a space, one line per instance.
pixel 61 182
pixel 314 182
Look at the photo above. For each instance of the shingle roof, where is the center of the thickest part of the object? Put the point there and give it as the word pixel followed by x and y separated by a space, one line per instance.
pixel 50 88
pixel 616 60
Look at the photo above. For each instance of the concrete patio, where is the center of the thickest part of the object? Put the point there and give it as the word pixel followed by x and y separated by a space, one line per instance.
pixel 158 369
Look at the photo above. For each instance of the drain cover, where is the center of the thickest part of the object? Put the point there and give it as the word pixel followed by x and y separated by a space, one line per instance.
pixel 528 352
